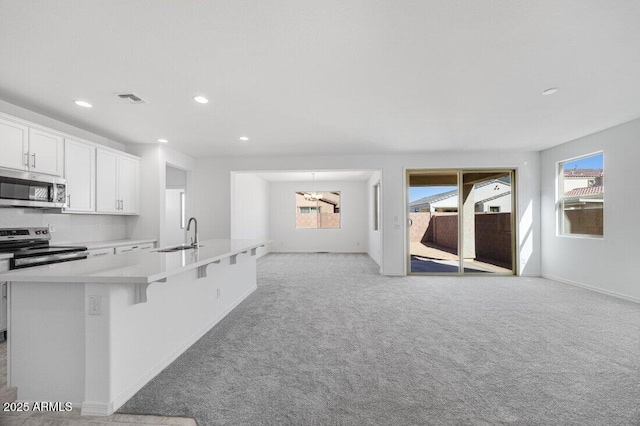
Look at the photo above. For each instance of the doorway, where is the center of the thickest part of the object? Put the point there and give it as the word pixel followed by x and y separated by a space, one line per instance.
pixel 175 204
pixel 461 222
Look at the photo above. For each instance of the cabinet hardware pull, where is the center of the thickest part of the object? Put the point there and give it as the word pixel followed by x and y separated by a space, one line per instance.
pixel 26 159
pixel 69 201
pixel 34 159
pixel 117 204
pixel 121 204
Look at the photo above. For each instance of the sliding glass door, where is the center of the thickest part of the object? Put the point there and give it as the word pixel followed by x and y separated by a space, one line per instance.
pixel 460 221
pixel 433 222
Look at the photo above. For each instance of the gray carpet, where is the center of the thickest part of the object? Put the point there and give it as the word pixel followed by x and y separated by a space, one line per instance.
pixel 325 340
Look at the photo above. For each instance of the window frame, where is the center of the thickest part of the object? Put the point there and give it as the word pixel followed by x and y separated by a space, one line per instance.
pixel 318 207
pixel 560 199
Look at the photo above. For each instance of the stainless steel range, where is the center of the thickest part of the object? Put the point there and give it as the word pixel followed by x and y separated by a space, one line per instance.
pixel 30 247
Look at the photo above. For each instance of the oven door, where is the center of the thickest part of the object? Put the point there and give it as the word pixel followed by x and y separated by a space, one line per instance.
pixel 26 262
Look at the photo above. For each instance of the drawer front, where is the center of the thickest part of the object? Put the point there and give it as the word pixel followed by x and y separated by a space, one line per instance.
pixel 100 252
pixel 127 249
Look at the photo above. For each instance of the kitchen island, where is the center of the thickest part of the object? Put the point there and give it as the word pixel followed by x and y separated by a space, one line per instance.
pixel 95 331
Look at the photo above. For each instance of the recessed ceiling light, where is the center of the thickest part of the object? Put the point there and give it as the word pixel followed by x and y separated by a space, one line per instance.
pixel 163 141
pixel 84 104
pixel 550 91
pixel 244 138
pixel 200 99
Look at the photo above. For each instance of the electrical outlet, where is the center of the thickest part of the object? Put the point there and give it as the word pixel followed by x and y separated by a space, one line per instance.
pixel 52 228
pixel 217 293
pixel 95 305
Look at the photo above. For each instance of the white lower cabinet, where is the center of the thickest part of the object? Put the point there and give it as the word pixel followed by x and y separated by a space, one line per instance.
pixel 3 309
pixel 4 294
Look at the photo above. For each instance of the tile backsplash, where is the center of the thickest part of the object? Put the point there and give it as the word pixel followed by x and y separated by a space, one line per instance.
pixel 70 228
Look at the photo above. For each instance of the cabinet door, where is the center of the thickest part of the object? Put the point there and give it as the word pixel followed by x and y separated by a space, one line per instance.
pixel 128 184
pixel 13 145
pixel 106 181
pixel 80 172
pixel 45 152
pixel 3 306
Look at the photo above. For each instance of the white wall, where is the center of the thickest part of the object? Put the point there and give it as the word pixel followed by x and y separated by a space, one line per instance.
pixel 153 181
pixel 374 246
pixel 351 237
pixel 250 211
pixel 212 178
pixel 607 264
pixel 68 228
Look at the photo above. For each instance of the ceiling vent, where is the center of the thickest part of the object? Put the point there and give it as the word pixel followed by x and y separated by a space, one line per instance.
pixel 131 98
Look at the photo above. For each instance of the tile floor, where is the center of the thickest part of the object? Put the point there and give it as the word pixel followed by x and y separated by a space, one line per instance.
pixel 73 418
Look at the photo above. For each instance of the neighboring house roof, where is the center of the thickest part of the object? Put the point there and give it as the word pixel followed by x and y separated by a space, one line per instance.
pixel 582 192
pixel 493 181
pixel 434 198
pixel 449 194
pixel 503 194
pixel 583 173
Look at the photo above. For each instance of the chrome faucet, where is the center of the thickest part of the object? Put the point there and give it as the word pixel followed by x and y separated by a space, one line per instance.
pixel 194 242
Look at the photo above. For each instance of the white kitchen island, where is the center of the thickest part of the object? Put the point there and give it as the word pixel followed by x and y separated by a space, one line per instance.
pixel 95 331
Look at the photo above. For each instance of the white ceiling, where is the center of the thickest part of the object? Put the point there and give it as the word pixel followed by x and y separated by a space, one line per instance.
pixel 309 77
pixel 306 176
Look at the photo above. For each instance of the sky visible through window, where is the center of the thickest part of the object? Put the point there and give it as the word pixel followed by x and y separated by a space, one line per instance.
pixel 417 192
pixel 591 162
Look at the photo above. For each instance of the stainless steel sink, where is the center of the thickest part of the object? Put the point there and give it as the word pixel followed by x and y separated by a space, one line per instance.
pixel 178 248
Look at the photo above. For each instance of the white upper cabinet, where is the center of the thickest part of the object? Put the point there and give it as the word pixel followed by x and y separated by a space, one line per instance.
pixel 128 184
pixel 107 182
pixel 32 149
pixel 116 182
pixel 80 172
pixel 46 153
pixel 14 144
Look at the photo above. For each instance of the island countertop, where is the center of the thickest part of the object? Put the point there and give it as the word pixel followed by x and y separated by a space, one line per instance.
pixel 136 268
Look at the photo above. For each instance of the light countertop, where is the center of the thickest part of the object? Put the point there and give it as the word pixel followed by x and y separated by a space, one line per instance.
pixel 4 256
pixel 142 267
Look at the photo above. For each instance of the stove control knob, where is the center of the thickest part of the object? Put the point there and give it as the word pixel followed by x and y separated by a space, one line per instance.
pixel 45 231
pixel 38 232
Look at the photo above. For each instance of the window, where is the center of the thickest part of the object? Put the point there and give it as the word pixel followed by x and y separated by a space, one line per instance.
pixel 308 210
pixel 494 209
pixel 317 210
pixel 581 196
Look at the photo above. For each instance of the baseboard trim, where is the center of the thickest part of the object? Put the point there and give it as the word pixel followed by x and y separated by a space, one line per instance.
pixel 592 288
pixel 96 409
pixel 156 369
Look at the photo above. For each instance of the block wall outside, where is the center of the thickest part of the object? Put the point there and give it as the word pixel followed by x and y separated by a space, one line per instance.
pixel 419 226
pixel 586 221
pixel 493 237
pixel 322 220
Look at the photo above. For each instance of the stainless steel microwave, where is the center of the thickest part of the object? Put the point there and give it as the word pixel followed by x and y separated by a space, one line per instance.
pixel 26 189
